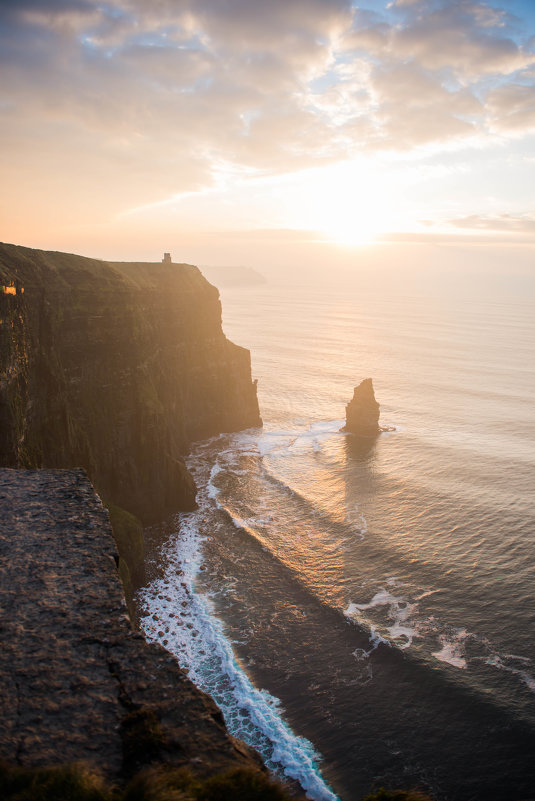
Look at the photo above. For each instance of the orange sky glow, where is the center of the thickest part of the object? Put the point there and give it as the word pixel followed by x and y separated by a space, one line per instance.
pixel 289 132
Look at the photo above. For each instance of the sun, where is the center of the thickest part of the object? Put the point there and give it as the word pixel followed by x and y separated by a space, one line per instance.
pixel 349 204
pixel 350 225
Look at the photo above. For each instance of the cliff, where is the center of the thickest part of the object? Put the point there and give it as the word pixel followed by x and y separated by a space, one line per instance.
pixel 76 682
pixel 116 368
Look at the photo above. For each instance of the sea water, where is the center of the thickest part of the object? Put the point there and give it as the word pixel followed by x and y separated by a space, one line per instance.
pixel 363 610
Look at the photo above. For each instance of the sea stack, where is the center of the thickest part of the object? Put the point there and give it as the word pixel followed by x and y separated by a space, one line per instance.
pixel 362 412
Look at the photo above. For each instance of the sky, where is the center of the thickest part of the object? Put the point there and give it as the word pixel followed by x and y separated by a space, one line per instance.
pixel 270 131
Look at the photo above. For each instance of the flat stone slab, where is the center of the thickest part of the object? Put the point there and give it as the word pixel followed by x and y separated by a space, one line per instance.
pixel 73 672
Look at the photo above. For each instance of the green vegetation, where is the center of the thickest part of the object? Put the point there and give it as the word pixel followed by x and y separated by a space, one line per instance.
pixel 240 785
pixel 66 783
pixel 160 784
pixel 78 783
pixel 179 785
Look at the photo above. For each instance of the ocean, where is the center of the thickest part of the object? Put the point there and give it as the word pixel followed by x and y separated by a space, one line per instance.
pixel 363 610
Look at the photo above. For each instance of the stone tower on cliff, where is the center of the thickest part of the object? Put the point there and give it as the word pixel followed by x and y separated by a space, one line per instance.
pixel 167 258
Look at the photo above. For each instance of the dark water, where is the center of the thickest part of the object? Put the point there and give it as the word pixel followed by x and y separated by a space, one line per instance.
pixel 379 594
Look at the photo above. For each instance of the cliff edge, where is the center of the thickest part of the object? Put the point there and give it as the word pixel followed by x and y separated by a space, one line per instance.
pixel 116 368
pixel 76 682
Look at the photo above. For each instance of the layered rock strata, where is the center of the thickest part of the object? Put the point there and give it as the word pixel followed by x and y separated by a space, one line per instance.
pixel 116 368
pixel 76 682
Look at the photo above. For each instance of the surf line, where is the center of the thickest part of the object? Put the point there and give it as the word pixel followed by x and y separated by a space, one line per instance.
pixel 183 620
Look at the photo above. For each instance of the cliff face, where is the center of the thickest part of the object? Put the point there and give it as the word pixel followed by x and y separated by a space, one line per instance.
pixel 116 368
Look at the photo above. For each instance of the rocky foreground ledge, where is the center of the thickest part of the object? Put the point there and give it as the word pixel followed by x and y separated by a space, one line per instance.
pixel 76 682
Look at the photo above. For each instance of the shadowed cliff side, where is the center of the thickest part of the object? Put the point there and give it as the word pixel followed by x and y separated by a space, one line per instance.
pixel 116 368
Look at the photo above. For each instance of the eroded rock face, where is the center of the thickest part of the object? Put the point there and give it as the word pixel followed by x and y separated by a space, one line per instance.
pixel 116 368
pixel 362 412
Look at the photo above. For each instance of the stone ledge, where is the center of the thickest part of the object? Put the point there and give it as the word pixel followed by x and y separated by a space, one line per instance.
pixel 73 673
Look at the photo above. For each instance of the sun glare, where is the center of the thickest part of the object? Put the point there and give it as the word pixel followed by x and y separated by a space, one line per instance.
pixel 351 225
pixel 347 203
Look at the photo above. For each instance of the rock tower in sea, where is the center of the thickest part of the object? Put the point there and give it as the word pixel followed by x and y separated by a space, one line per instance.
pixel 362 412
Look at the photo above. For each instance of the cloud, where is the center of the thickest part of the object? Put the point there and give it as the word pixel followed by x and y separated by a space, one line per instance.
pixel 138 102
pixel 465 39
pixel 247 24
pixel 105 108
pixel 511 108
pixel 146 74
pixel 440 71
pixel 506 223
pixel 415 108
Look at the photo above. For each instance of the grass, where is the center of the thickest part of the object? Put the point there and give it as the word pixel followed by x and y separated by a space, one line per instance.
pixel 73 782
pixel 77 782
pixel 240 785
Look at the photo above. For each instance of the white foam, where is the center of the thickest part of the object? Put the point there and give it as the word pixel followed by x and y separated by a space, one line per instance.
pixel 399 610
pixel 361 653
pixel 525 659
pixel 263 521
pixel 452 650
pixel 212 489
pixel 381 598
pixel 186 625
pixel 270 442
pixel 376 639
pixel 364 671
pixel 351 610
pixel 497 662
pixel 315 436
pixel 326 427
